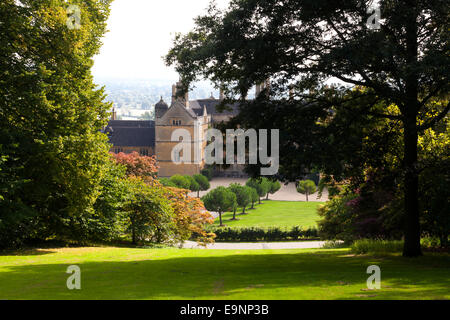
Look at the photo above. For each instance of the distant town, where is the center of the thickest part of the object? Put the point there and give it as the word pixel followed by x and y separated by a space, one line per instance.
pixel 135 99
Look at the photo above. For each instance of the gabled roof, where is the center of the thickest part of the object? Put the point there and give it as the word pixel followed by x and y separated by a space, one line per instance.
pixel 211 107
pixel 131 123
pixel 179 105
pixel 131 133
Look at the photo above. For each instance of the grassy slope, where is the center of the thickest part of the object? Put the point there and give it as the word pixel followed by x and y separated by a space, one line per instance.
pixel 120 273
pixel 276 214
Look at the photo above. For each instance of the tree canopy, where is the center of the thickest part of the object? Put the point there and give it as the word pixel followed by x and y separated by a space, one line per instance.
pixel 302 46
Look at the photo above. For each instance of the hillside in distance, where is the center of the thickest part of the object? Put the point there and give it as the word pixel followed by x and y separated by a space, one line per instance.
pixel 136 98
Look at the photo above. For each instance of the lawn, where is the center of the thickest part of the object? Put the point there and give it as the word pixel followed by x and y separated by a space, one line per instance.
pixel 123 273
pixel 276 214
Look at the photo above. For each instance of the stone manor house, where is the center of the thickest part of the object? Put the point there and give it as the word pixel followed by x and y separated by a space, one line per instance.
pixel 150 138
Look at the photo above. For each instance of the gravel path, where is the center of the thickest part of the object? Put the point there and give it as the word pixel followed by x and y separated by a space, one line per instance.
pixel 257 246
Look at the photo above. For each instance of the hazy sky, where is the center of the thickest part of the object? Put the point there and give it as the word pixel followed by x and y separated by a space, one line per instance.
pixel 141 32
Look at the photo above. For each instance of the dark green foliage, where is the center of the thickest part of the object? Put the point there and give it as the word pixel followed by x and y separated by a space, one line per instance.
pixel 148 214
pixel 51 117
pixel 260 234
pixel 243 196
pixel 404 62
pixel 181 182
pixel 106 224
pixel 193 184
pixel 306 187
pixel 275 186
pixel 220 200
pixel 202 181
pixel 208 173
pixel 167 183
pixel 261 185
pixel 254 196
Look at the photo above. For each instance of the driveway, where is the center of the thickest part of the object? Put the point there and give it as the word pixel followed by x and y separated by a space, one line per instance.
pixel 257 246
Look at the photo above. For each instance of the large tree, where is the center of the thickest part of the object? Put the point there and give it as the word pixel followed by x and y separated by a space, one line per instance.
pixel 51 114
pixel 401 59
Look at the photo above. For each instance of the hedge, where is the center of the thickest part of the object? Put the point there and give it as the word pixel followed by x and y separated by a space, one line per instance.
pixel 260 234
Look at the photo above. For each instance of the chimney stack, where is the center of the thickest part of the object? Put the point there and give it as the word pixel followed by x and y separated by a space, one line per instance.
pixel 114 114
pixel 174 93
pixel 175 90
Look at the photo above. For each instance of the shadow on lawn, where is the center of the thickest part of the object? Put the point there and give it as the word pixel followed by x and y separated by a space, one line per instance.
pixel 221 277
pixel 26 252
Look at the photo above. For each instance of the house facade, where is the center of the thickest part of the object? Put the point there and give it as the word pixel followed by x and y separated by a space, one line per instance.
pixel 150 138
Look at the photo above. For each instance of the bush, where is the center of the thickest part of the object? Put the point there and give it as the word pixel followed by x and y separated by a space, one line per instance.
pixel 306 187
pixel 180 181
pixel 260 234
pixel 208 173
pixel 167 183
pixel 193 185
pixel 364 246
pixel 243 196
pixel 148 214
pixel 337 219
pixel 202 181
pixel 220 200
pixel 262 186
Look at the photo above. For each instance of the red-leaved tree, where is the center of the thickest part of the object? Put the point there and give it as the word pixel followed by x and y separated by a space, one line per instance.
pixel 138 166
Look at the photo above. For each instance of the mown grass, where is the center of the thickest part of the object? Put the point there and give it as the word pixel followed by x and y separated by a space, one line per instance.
pixel 275 214
pixel 123 273
pixel 374 246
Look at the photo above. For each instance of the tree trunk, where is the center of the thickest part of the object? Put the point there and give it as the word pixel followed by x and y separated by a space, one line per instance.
pixel 133 230
pixel 307 200
pixel 259 200
pixel 220 218
pixel 243 210
pixel 267 198
pixel 198 194
pixel 234 214
pixel 411 205
pixel 410 112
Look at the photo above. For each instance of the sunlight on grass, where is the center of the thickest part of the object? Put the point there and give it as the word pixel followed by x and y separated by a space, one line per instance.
pixel 123 273
pixel 276 214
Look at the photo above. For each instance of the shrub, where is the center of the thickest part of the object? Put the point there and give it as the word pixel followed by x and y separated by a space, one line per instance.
pixel 275 186
pixel 261 185
pixel 337 219
pixel 254 196
pixel 243 196
pixel 180 182
pixel 254 234
pixel 167 183
pixel 306 187
pixel 190 217
pixel 364 246
pixel 137 165
pixel 203 183
pixel 208 173
pixel 220 200
pixel 193 185
pixel 148 214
